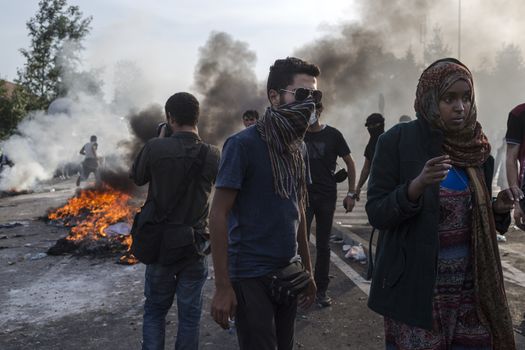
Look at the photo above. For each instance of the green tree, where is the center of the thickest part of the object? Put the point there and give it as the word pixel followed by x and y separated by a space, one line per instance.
pixel 56 33
pixel 12 109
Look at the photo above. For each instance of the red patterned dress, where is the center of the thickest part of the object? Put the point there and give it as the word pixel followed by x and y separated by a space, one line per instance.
pixel 456 324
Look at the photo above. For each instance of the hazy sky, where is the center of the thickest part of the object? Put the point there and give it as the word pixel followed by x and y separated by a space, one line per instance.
pixel 163 37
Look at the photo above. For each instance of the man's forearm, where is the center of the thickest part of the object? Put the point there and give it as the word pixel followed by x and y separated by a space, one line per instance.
pixel 302 245
pixel 512 172
pixel 350 169
pixel 365 172
pixel 219 249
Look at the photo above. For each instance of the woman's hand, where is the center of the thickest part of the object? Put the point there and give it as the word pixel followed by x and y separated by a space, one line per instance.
pixel 434 171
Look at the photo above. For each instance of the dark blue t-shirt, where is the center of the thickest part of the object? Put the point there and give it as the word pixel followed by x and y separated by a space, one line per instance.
pixel 262 232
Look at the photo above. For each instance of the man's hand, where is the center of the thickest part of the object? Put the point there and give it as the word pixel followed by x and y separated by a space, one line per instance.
pixel 223 305
pixel 519 217
pixel 349 203
pixel 503 203
pixel 307 298
pixel 515 193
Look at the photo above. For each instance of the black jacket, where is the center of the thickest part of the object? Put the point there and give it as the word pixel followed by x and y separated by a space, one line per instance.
pixel 163 163
pixel 408 243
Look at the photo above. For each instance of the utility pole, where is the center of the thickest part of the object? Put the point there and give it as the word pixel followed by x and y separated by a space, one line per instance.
pixel 459 29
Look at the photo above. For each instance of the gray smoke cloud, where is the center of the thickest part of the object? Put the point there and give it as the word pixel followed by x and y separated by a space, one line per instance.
pixel 47 140
pixel 368 65
pixel 385 52
pixel 226 80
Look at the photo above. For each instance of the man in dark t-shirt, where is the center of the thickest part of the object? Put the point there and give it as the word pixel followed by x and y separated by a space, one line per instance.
pixel 325 144
pixel 257 221
pixel 515 163
pixel 375 123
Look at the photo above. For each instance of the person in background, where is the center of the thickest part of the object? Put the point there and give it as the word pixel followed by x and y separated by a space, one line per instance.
pixel 405 119
pixel 250 117
pixel 375 124
pixel 515 160
pixel 90 163
pixel 325 144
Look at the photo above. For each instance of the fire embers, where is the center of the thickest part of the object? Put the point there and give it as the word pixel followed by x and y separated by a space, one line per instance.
pixel 100 221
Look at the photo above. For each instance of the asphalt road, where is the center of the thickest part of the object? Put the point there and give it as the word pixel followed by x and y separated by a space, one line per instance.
pixel 66 302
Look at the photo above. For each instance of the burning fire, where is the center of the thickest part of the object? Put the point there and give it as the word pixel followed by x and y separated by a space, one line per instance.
pixel 92 211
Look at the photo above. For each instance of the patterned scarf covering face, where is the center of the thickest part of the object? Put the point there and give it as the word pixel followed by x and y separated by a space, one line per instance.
pixel 469 149
pixel 468 146
pixel 283 130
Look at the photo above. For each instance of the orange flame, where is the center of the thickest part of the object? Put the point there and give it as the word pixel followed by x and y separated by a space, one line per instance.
pixel 92 211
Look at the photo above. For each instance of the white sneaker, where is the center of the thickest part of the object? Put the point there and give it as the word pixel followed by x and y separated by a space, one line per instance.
pixel 501 238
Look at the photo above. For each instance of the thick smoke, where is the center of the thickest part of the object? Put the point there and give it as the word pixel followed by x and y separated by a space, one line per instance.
pixel 385 52
pixel 143 126
pixel 369 65
pixel 47 141
pixel 225 77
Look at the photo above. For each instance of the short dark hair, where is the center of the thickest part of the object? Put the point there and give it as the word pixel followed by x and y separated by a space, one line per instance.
pixel 183 107
pixel 93 138
pixel 375 118
pixel 283 72
pixel 250 114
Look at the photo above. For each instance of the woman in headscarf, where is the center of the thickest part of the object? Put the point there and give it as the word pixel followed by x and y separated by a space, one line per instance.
pixel 437 279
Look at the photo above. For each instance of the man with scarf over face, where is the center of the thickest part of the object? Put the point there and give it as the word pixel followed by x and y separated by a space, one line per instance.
pixel 375 123
pixel 325 145
pixel 257 221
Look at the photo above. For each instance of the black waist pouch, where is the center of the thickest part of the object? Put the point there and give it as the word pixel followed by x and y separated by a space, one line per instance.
pixel 287 283
pixel 165 243
pixel 146 241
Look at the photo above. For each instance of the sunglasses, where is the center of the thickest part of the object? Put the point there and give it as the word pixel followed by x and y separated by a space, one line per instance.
pixel 302 94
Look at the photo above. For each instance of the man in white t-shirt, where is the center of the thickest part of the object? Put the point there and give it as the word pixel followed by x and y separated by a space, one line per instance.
pixel 90 163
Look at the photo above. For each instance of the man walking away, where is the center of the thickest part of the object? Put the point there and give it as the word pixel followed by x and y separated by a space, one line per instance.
pixel 175 199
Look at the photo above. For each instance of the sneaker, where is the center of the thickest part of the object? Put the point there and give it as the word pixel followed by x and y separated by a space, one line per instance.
pixel 501 238
pixel 323 300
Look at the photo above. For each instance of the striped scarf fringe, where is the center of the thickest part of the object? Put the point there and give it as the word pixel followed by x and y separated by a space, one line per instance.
pixel 283 130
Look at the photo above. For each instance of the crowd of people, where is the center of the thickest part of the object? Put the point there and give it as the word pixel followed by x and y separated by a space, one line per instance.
pixel 437 277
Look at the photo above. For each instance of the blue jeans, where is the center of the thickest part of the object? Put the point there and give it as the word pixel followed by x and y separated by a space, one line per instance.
pixel 162 283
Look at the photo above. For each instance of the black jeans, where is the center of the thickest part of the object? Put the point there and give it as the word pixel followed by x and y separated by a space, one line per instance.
pixel 261 323
pixel 323 211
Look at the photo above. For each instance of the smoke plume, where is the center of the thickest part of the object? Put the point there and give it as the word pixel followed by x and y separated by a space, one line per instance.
pixel 226 79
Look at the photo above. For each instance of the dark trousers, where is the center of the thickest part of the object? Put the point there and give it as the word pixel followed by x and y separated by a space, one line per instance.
pixel 261 323
pixel 323 211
